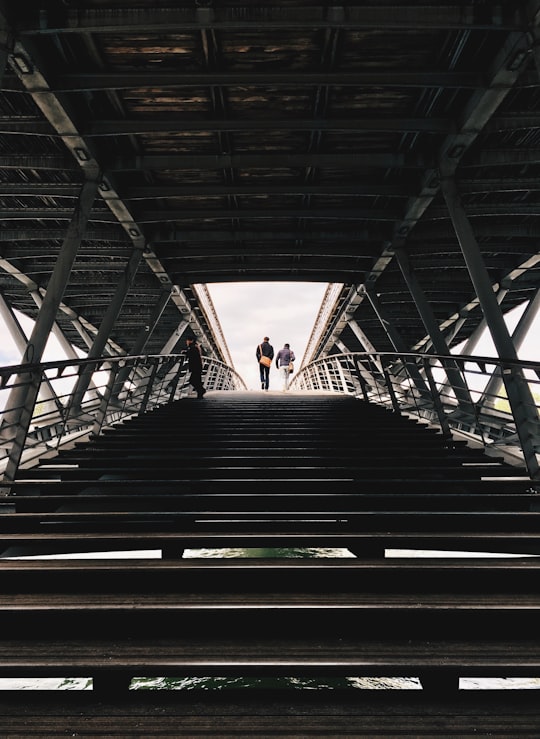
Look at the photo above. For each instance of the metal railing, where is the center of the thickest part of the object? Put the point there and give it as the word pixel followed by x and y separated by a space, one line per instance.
pixel 120 387
pixel 411 383
pixel 421 384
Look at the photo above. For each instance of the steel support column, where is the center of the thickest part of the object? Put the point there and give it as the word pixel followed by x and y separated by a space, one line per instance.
pixel 175 337
pixel 365 376
pixel 395 339
pixel 519 334
pixel 517 389
pixel 66 347
pixel 142 339
pixel 20 339
pixel 425 311
pixel 23 397
pixel 366 343
pixel 111 314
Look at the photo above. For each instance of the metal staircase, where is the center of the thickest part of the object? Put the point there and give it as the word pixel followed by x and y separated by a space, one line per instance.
pixel 303 471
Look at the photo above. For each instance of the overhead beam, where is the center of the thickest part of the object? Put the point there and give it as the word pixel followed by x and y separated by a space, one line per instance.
pixel 128 127
pixel 273 160
pixel 166 216
pixel 150 191
pixel 149 19
pixel 503 75
pixel 81 81
pixel 29 66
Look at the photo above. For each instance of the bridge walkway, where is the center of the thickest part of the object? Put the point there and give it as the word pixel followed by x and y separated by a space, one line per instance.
pixel 326 500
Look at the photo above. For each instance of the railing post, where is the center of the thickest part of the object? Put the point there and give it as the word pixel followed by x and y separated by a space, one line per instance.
pixel 176 379
pixel 439 408
pixel 148 389
pixel 105 400
pixel 389 385
pixel 361 378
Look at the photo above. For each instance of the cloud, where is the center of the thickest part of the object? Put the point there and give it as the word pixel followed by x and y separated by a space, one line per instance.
pixel 248 311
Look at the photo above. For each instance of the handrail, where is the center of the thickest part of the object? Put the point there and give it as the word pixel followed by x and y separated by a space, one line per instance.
pixel 408 382
pixel 415 383
pixel 152 380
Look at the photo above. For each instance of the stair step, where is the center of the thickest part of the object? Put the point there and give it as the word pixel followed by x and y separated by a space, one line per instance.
pixel 325 575
pixel 259 657
pixel 154 502
pixel 305 519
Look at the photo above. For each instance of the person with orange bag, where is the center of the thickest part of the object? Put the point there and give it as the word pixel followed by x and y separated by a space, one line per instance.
pixel 265 355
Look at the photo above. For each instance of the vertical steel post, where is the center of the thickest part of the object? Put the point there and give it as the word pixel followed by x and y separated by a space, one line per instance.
pixel 105 400
pixel 391 391
pixel 517 389
pixel 148 388
pixel 439 409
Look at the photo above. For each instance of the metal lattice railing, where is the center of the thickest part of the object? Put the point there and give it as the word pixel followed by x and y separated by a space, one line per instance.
pixel 464 394
pixel 120 387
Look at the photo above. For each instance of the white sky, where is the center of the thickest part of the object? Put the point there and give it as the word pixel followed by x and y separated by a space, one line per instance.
pixel 249 311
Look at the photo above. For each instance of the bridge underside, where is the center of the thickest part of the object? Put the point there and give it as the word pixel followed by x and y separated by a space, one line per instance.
pixel 306 142
pixel 389 150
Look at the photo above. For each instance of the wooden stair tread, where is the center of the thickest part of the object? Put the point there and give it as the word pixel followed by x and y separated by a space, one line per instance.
pixel 260 712
pixel 215 653
pixel 261 564
pixel 138 601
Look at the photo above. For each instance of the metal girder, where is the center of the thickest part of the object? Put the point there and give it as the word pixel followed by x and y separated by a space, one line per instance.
pixel 484 103
pixel 175 337
pixel 82 81
pixel 394 337
pixel 151 191
pixel 159 216
pixel 275 160
pixel 20 340
pixel 425 311
pixel 142 339
pixel 172 120
pixel 57 234
pixel 100 341
pixel 192 123
pixel 323 233
pixel 402 16
pixel 519 334
pixel 22 398
pixel 517 389
pixel 28 66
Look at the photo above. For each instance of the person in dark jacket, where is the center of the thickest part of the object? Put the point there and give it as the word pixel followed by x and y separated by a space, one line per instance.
pixel 284 358
pixel 265 351
pixel 195 365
